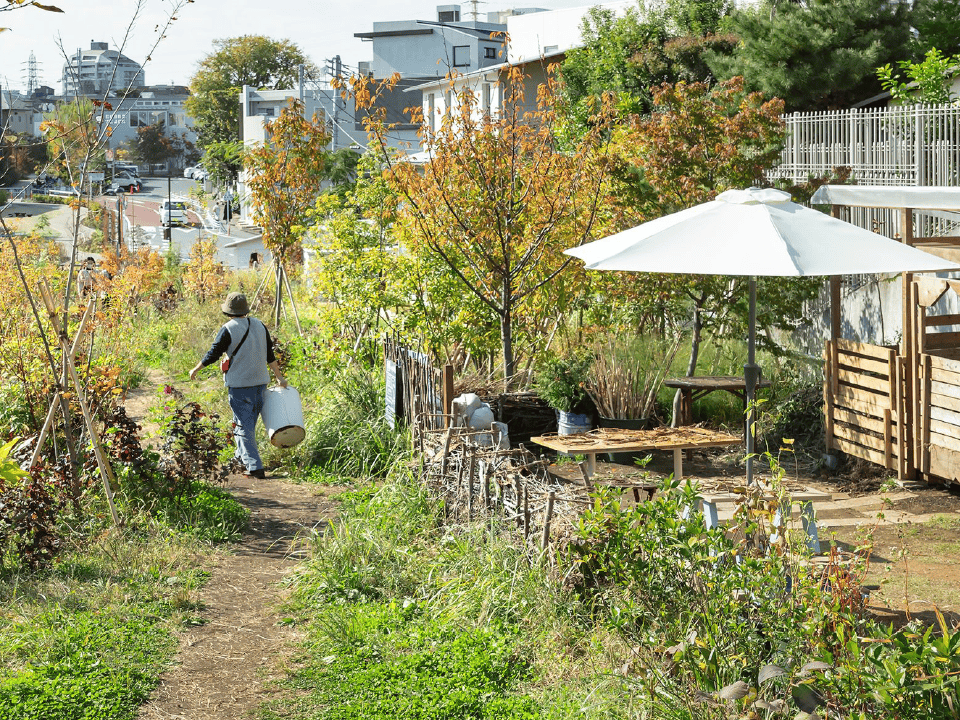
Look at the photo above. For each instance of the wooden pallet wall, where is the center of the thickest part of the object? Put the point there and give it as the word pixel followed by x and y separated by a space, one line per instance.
pixel 863 403
pixel 939 417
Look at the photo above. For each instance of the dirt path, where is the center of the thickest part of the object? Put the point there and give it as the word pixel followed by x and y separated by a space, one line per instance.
pixel 224 666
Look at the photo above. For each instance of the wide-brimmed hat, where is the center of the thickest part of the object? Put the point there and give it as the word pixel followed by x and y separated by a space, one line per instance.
pixel 235 304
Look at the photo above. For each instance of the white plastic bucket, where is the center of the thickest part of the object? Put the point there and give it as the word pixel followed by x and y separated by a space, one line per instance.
pixel 283 416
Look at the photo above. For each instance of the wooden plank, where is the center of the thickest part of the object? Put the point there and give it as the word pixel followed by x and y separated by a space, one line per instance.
pixel 946 402
pixel 858 419
pixel 862 400
pixel 944 415
pixel 944 435
pixel 859 451
pixel 880 367
pixel 848 377
pixel 946 364
pixel 944 388
pixel 942 320
pixel 941 372
pixel 860 438
pixel 929 290
pixel 850 347
pixel 945 463
pixel 941 340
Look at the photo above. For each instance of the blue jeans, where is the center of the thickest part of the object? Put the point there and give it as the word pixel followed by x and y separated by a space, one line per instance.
pixel 247 404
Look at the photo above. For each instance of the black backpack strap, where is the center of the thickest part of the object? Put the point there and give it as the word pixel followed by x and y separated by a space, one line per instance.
pixel 237 349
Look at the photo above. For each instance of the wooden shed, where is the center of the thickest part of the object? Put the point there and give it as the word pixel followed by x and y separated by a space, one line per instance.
pixel 899 405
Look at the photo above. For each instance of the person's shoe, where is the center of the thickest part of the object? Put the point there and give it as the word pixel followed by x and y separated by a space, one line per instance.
pixel 259 474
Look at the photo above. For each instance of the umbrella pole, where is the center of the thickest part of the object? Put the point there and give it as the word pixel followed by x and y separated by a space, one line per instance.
pixel 751 374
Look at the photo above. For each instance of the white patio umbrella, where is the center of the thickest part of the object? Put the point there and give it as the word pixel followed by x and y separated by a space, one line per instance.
pixel 754 232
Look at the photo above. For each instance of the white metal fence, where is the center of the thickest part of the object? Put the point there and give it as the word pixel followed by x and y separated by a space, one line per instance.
pixel 907 145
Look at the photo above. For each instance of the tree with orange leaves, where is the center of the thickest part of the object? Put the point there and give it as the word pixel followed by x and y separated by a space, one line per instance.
pixel 501 197
pixel 285 178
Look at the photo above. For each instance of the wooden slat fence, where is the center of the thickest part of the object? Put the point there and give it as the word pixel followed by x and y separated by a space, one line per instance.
pixel 939 417
pixel 863 403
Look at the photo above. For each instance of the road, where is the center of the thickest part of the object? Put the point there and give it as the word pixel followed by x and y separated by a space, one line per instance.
pixel 141 213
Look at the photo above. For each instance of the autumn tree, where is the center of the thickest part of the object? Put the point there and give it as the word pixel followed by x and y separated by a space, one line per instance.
pixel 285 176
pixel 500 198
pixel 698 142
pixel 254 60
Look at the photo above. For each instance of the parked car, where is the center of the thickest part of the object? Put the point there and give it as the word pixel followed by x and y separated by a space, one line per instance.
pixel 188 171
pixel 128 168
pixel 173 212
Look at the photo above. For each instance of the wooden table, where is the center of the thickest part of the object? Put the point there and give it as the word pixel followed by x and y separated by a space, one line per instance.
pixel 696 386
pixel 615 440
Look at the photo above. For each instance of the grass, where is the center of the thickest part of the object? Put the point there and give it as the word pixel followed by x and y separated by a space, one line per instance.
pixel 88 639
pixel 405 618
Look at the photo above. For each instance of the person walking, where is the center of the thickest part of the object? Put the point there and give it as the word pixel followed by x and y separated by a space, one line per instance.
pixel 249 349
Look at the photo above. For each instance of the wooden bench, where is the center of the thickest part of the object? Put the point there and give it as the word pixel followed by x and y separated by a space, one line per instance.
pixel 607 440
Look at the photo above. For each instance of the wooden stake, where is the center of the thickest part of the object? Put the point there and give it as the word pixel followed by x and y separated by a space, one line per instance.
pixel 545 539
pixel 470 470
pixel 106 471
pixel 526 512
pixel 296 315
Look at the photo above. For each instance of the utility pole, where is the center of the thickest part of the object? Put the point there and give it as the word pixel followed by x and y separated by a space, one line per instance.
pixel 337 72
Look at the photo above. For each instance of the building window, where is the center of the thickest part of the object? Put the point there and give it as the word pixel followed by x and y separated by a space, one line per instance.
pixel 490 53
pixel 461 55
pixel 485 99
pixel 432 111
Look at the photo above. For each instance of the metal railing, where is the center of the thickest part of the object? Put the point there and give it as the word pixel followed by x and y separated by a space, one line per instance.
pixel 905 145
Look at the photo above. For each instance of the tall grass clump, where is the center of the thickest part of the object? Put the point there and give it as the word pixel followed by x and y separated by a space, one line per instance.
pixel 347 433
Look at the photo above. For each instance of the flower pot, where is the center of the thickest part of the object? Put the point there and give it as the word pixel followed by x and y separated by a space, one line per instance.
pixel 573 423
pixel 625 458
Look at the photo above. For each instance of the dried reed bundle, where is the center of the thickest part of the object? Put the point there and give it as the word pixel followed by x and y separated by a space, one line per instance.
pixel 626 376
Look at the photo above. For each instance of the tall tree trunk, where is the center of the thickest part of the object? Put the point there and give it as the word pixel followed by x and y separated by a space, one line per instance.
pixel 694 356
pixel 506 333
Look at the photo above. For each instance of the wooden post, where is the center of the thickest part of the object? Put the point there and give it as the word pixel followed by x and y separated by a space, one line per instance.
pixel 901 424
pixel 585 474
pixel 470 470
pixel 484 485
pixel 923 459
pixel 526 512
pixel 447 393
pixel 445 453
pixel 828 372
pixel 518 505
pixel 545 540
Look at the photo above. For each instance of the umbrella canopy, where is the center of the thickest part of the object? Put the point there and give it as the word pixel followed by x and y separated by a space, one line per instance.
pixel 757 232
pixel 754 232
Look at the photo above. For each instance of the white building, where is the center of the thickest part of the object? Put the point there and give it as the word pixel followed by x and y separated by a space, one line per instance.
pixel 100 71
pixel 257 108
pixel 425 50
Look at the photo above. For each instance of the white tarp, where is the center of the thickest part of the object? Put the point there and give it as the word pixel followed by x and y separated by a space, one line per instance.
pixel 754 232
pixel 889 196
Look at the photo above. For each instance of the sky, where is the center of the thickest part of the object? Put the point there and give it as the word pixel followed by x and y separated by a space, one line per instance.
pixel 322 29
